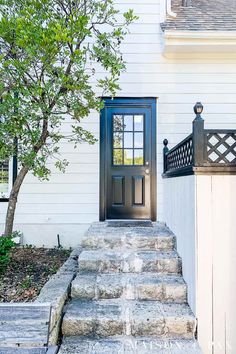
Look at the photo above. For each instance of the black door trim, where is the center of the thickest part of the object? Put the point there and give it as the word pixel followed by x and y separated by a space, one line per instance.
pixel 148 102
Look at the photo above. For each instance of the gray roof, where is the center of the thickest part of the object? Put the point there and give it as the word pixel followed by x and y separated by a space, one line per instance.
pixel 203 15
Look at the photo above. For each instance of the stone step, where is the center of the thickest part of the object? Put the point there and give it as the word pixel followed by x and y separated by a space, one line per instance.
pixel 128 345
pixel 145 286
pixel 129 262
pixel 136 238
pixel 105 318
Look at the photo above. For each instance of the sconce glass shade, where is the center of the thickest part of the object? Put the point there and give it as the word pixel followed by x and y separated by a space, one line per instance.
pixel 198 108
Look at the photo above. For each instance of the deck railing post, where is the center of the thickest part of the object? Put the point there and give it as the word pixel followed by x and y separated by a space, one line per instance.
pixel 165 151
pixel 198 136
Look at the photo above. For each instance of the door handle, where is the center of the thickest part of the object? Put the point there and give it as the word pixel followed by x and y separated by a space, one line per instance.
pixel 147 171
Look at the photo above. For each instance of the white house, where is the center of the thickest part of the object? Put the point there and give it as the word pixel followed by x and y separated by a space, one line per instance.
pixel 188 58
pixel 178 53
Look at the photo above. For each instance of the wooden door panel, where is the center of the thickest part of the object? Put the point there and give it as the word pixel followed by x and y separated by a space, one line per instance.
pixel 138 184
pixel 118 190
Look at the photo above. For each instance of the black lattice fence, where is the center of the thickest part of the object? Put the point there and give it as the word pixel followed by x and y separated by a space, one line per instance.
pixel 221 147
pixel 181 155
pixel 204 148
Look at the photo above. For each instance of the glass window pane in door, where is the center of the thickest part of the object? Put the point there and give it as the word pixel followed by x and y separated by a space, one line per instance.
pixel 138 157
pixel 128 157
pixel 117 157
pixel 128 123
pixel 118 140
pixel 138 140
pixel 117 123
pixel 128 140
pixel 138 122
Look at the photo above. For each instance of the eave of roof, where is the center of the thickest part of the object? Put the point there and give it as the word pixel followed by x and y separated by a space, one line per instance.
pixel 182 43
pixel 219 35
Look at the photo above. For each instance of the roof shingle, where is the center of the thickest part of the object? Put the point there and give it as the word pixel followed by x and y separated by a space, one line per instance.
pixel 203 15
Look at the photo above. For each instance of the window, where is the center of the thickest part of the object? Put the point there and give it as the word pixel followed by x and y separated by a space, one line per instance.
pixel 128 140
pixel 8 172
pixel 5 178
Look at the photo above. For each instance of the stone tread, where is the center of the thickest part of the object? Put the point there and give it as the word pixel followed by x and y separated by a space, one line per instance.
pixel 103 228
pixel 144 286
pixel 104 318
pixel 130 262
pixel 125 238
pixel 128 345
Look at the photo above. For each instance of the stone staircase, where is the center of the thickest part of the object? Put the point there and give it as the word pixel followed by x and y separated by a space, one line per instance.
pixel 129 295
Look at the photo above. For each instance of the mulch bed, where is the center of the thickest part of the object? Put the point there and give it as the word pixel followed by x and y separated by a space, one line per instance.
pixel 29 269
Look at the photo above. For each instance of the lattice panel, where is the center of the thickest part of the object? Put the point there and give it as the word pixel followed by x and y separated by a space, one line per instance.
pixel 221 147
pixel 181 156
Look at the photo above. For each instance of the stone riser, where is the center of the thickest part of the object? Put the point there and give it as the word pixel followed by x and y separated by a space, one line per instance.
pixel 107 318
pixel 136 262
pixel 169 329
pixel 129 286
pixel 134 243
pixel 128 345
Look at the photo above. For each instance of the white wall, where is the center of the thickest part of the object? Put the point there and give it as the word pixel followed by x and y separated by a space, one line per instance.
pixel 216 263
pixel 180 217
pixel 200 210
pixel 70 202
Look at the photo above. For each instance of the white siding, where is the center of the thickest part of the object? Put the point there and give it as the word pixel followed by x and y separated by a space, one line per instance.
pixel 177 83
pixel 201 212
pixel 180 216
pixel 216 262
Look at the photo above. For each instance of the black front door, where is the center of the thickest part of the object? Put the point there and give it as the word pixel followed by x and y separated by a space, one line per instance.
pixel 128 145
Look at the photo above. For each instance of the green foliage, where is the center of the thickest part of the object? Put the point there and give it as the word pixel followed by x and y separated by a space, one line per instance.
pixel 50 270
pixel 26 282
pixel 50 53
pixel 28 246
pixel 6 244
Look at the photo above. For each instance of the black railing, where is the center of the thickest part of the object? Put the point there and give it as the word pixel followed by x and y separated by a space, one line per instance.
pixel 203 151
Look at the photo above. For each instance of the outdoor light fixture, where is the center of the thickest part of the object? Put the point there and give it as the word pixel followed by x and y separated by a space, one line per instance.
pixel 198 108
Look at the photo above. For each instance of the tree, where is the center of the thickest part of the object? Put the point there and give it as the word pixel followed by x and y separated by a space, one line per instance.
pixel 49 54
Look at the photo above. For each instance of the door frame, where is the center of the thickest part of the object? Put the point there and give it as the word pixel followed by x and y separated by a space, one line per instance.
pixel 149 102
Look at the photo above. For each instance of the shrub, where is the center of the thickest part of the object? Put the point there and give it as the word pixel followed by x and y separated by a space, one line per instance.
pixel 6 244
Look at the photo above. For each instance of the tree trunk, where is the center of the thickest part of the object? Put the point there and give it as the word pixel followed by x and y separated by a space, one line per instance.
pixel 18 182
pixel 13 200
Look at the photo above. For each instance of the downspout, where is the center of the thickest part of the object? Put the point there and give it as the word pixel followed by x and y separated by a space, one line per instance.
pixel 168 9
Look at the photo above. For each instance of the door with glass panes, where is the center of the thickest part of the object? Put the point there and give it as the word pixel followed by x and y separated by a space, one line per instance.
pixel 129 165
